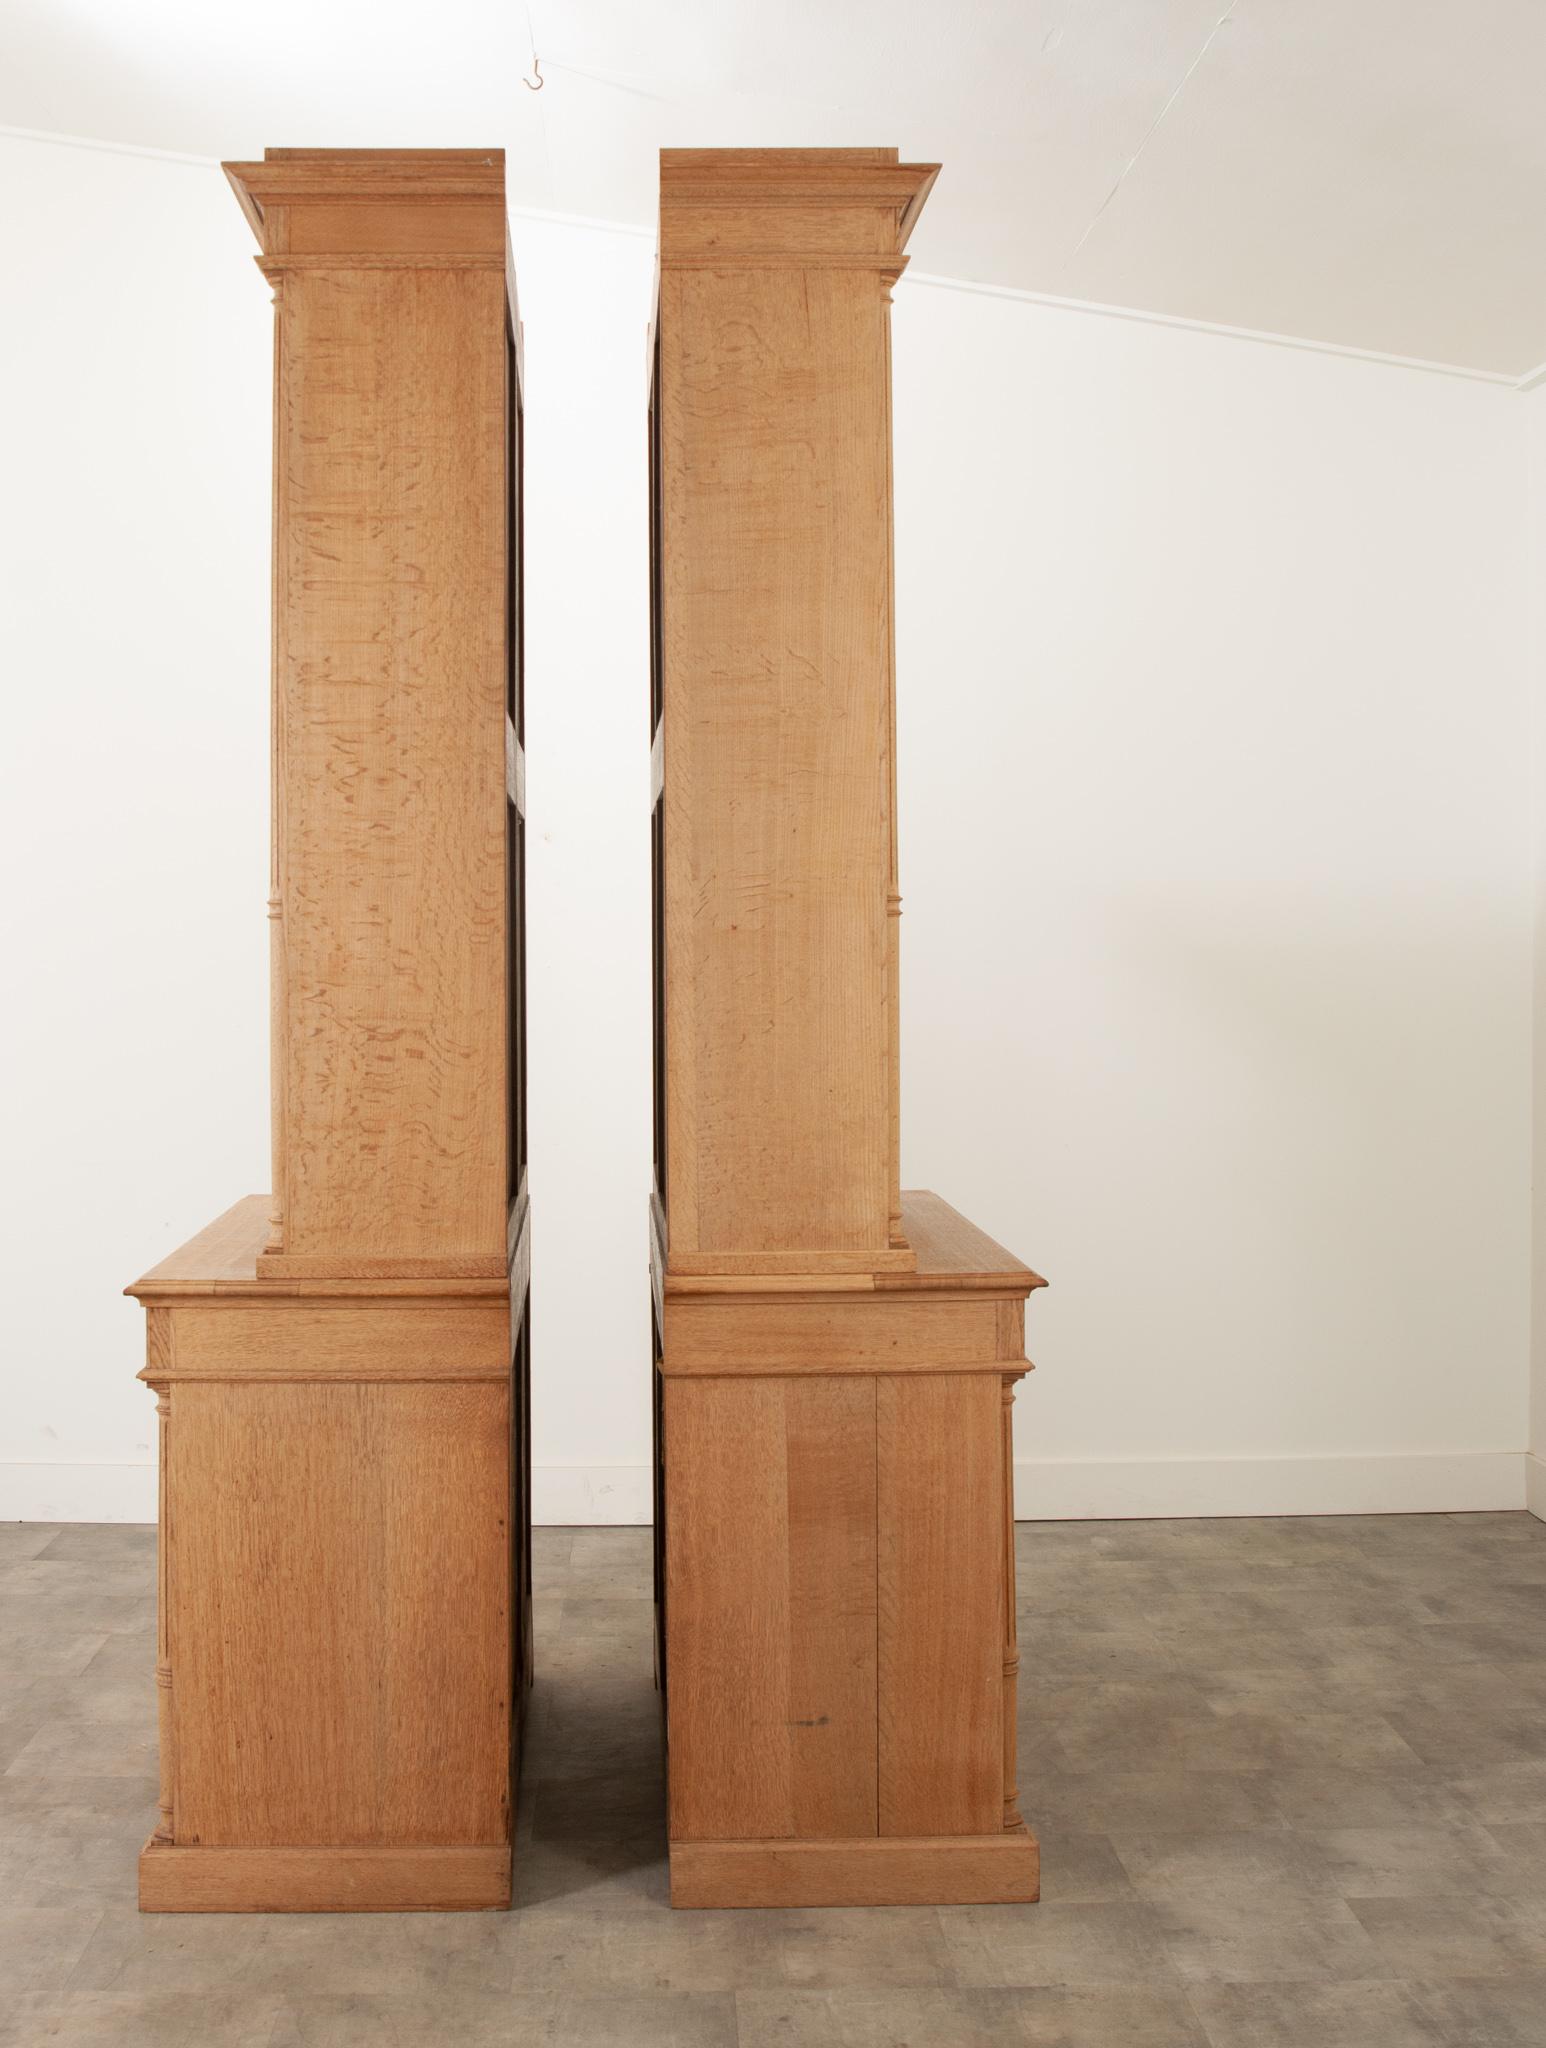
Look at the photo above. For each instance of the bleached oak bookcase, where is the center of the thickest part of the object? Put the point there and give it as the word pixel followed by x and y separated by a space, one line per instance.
pixel 835 1359
pixel 341 1369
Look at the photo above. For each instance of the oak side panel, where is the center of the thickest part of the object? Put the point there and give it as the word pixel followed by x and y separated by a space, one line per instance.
pixel 340 1615
pixel 770 1576
pixel 941 1581
pixel 776 609
pixel 390 560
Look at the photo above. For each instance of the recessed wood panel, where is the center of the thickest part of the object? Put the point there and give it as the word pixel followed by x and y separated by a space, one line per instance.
pixel 770 1577
pixel 390 567
pixel 340 1614
pixel 391 226
pixel 939 1467
pixel 776 608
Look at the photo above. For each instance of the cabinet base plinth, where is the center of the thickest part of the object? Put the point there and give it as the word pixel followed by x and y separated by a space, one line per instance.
pixel 885 1870
pixel 438 1880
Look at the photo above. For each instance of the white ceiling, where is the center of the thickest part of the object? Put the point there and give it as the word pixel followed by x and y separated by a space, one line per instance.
pixel 1368 173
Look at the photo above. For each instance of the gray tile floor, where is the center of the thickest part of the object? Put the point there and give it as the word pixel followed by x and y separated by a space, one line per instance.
pixel 1290 1778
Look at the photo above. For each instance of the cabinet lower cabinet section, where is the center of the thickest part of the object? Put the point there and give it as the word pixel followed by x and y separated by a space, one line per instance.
pixel 341 1659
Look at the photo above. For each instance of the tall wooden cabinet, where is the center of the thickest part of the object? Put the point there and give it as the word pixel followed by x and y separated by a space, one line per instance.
pixel 835 1359
pixel 341 1368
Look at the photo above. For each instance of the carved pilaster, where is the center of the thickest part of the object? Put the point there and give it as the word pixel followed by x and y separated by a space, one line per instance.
pixel 1011 1635
pixel 276 1049
pixel 158 1359
pixel 897 1236
pixel 276 928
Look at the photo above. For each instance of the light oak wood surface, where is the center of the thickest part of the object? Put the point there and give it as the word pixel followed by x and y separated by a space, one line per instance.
pixel 341 1366
pixel 772 1589
pixel 968 1870
pixel 174 1880
pixel 835 1589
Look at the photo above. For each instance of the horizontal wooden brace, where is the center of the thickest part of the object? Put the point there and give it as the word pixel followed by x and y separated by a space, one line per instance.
pixel 319 1342
pixel 796 1264
pixel 174 1879
pixel 839 1369
pixel 327 1266
pixel 869 1333
pixel 920 1870
pixel 887 267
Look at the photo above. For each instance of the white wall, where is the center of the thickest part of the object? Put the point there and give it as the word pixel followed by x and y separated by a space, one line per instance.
pixel 1216 979
pixel 135 360
pixel 1534 411
pixel 1216 861
pixel 585 298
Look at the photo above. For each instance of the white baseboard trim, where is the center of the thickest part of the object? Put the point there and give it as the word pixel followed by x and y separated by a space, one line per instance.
pixel 77 1493
pixel 1046 1490
pixel 1458 1482
pixel 592 1496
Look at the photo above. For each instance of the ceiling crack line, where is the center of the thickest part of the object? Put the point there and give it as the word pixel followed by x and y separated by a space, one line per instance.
pixel 1149 132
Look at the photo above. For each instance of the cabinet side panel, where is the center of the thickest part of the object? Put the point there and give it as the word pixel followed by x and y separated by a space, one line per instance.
pixel 391 562
pixel 940 1478
pixel 770 1572
pixel 832 1700
pixel 727 1596
pixel 776 608
pixel 340 1614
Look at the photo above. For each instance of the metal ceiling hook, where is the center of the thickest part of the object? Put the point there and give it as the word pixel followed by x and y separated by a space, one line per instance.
pixel 536 65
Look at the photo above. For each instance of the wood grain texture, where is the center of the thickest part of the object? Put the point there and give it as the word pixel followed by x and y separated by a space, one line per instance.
pixel 177 1880
pixel 226 1249
pixel 952 1252
pixel 832 1335
pixel 342 1641
pixel 770 1573
pixel 303 1341
pixel 221 1264
pixel 973 1870
pixel 1010 1727
pixel 341 1615
pixel 391 557
pixel 942 1630
pixel 774 544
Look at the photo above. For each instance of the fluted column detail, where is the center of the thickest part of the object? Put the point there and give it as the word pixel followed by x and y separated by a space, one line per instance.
pixel 158 1358
pixel 1011 1634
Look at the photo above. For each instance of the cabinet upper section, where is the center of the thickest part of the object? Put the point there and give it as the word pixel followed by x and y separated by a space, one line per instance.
pixel 776 1026
pixel 396 637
